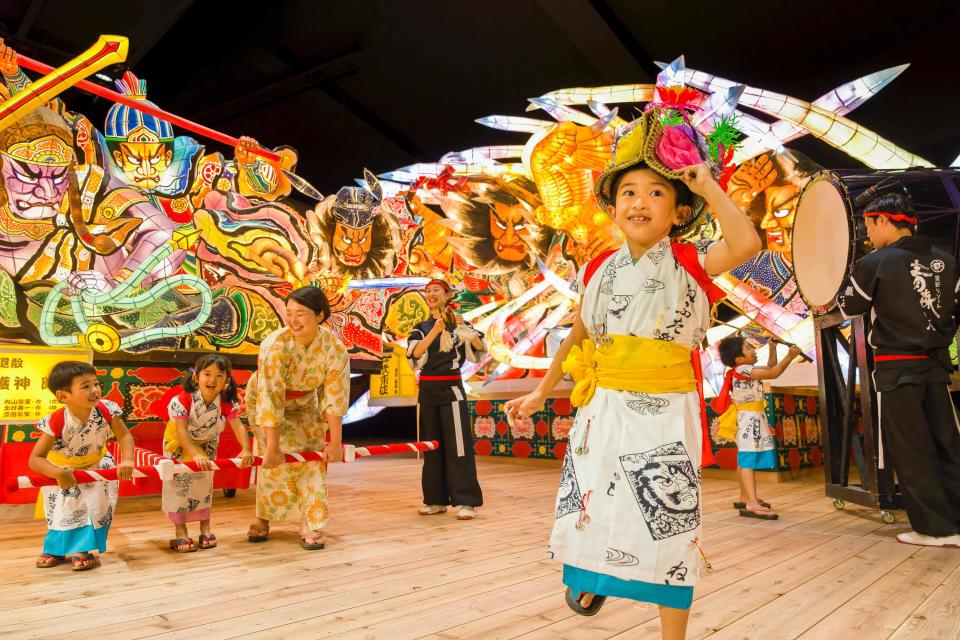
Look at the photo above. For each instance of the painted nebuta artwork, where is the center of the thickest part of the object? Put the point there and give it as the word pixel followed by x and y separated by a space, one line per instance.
pixel 132 236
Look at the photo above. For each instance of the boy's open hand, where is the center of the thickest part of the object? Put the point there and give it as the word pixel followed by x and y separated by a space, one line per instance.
pixel 524 406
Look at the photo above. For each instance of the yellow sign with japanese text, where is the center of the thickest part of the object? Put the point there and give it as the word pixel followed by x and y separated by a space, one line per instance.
pixel 24 396
pixel 395 385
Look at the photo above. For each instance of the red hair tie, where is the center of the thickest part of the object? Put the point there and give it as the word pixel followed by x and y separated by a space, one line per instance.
pixel 896 217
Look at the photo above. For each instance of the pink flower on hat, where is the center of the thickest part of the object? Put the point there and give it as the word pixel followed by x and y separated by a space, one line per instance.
pixel 676 149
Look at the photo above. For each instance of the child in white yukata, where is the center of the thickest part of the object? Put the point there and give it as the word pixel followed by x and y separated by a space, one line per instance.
pixel 628 512
pixel 741 402
pixel 197 415
pixel 75 438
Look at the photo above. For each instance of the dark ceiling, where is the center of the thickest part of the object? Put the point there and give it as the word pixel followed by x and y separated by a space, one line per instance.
pixel 384 84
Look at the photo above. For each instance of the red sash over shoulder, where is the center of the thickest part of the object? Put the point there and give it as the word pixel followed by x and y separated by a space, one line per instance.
pixel 722 402
pixel 686 255
pixel 58 420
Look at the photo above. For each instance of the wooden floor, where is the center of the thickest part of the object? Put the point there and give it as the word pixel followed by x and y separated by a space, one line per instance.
pixel 389 573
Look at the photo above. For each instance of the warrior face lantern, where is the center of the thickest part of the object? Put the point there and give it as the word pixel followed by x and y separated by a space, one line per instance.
pixel 139 143
pixel 355 235
pixel 142 162
pixel 351 245
pixel 35 158
pixel 768 188
pixel 353 213
pixel 508 231
pixel 495 226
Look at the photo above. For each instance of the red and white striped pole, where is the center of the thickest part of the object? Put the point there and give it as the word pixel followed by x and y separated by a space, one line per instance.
pixel 350 452
pixel 166 468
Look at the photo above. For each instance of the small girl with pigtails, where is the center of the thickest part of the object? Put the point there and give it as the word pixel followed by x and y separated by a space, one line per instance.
pixel 196 413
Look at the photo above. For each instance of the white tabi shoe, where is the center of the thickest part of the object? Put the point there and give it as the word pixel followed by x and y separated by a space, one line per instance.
pixel 466 513
pixel 912 537
pixel 432 509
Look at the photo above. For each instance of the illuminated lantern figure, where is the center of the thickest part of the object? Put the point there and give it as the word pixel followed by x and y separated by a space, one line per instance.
pixel 355 236
pixel 60 221
pixel 144 152
pixel 53 218
pixel 494 224
pixel 176 175
pixel 141 145
pixel 248 245
pixel 768 188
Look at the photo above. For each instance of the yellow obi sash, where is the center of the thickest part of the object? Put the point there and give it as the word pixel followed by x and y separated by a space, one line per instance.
pixel 629 363
pixel 171 441
pixel 727 423
pixel 76 462
pixel 68 462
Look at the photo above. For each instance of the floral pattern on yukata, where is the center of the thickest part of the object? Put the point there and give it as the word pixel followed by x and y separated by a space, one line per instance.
pixel 322 369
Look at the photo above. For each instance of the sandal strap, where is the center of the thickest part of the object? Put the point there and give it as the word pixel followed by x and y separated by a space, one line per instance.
pixel 48 560
pixel 85 561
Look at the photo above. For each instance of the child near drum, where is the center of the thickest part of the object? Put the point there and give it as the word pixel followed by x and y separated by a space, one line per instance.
pixel 75 438
pixel 740 404
pixel 196 413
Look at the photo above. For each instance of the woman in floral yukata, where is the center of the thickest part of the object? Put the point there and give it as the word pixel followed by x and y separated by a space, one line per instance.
pixel 295 399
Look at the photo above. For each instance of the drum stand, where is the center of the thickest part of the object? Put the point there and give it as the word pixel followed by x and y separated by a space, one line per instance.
pixel 841 414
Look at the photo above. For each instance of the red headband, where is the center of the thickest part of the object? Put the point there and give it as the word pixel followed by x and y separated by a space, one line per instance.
pixel 446 287
pixel 439 283
pixel 896 217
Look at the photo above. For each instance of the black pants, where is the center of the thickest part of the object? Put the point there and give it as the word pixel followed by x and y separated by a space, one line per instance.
pixel 922 438
pixel 450 473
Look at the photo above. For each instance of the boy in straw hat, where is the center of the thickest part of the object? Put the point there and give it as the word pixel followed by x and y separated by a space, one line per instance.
pixel 628 511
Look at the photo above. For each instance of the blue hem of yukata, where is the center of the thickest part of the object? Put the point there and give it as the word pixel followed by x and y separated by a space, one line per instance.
pixel 758 459
pixel 668 595
pixel 82 540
